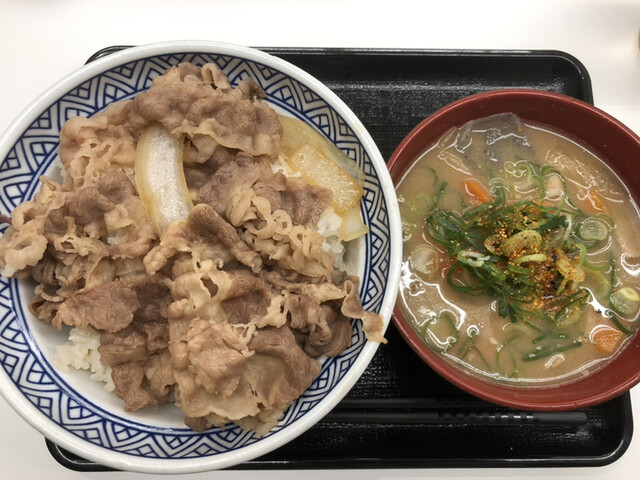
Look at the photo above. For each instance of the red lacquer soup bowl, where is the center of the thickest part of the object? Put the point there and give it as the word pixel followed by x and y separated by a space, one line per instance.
pixel 608 139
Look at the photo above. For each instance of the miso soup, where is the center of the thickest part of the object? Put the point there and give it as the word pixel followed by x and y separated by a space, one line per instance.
pixel 521 255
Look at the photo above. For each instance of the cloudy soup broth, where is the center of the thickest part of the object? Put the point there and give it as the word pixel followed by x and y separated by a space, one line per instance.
pixel 520 260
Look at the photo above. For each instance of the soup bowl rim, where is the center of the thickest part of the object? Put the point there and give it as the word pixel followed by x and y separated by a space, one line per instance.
pixel 561 396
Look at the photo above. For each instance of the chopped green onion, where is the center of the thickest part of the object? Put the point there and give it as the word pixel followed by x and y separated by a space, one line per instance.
pixel 520 327
pixel 562 286
pixel 567 317
pixel 473 259
pixel 557 221
pixel 518 270
pixel 492 244
pixel 423 204
pixel 569 227
pixel 607 219
pixel 596 267
pixel 513 366
pixel 539 338
pixel 534 257
pixel 523 241
pixel 617 322
pixel 592 229
pixel 625 301
pixel 441 332
pixel 472 347
pixel 510 251
pixel 441 190
pixel 543 352
pixel 612 273
pixel 605 287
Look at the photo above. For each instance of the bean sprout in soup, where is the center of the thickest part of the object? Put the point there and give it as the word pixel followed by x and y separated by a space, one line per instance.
pixel 520 261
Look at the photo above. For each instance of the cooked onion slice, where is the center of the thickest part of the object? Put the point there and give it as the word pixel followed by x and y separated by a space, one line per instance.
pixel 322 163
pixel 319 169
pixel 160 177
pixel 352 225
pixel 296 132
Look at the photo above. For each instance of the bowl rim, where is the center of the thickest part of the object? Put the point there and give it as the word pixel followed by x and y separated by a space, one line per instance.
pixel 122 461
pixel 412 147
pixel 497 95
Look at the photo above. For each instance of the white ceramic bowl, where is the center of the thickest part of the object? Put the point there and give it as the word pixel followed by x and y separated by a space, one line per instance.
pixel 77 413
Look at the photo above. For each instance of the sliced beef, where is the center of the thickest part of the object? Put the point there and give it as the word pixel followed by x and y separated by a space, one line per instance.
pixel 241 283
pixel 148 332
pixel 56 223
pixel 345 297
pixel 184 103
pixel 156 333
pixel 153 295
pixel 248 300
pixel 200 424
pixel 102 271
pixel 198 174
pixel 127 345
pixel 206 223
pixel 128 378
pixel 116 186
pixel 224 383
pixel 133 386
pixel 158 370
pixel 281 370
pixel 247 308
pixel 108 307
pixel 88 205
pixel 303 202
pixel 225 313
pixel 215 352
pixel 45 271
pixel 325 331
pixel 351 307
pixel 233 176
pixel 112 306
pixel 139 244
pixel 43 309
pixel 140 378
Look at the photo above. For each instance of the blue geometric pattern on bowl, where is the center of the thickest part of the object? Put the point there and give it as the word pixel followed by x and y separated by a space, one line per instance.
pixel 33 155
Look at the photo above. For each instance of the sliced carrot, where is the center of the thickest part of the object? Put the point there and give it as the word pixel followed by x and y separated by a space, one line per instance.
pixel 607 339
pixel 596 201
pixel 476 190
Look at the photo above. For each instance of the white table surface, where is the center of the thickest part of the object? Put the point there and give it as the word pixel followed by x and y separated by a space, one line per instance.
pixel 41 41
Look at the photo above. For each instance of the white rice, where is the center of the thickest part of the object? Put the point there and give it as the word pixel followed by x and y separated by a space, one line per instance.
pixel 329 227
pixel 81 353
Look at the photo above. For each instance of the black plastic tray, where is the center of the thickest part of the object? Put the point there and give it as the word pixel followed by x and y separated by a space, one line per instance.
pixel 401 414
